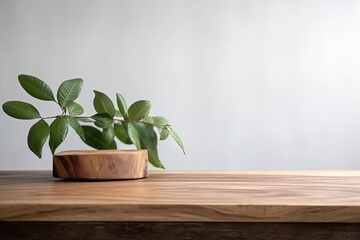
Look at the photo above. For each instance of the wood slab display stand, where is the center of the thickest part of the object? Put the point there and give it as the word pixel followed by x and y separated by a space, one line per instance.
pixel 101 164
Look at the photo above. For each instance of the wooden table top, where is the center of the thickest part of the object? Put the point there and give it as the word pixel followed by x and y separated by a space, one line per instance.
pixel 196 196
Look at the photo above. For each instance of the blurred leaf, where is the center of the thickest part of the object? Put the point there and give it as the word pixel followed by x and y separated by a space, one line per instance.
pixel 109 135
pixel 84 119
pixel 139 110
pixel 37 137
pixel 149 141
pixel 75 108
pixel 20 110
pixel 118 113
pixel 164 133
pixel 36 88
pixel 122 133
pixel 76 126
pixel 160 120
pixel 154 158
pixel 103 104
pixel 121 105
pixel 134 135
pixel 68 91
pixel 58 132
pixel 176 138
pixel 103 120
pixel 148 119
pixel 94 138
pixel 157 120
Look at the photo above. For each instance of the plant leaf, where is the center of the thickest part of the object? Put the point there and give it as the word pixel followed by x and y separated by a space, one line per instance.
pixel 94 138
pixel 176 138
pixel 164 133
pixel 37 137
pixel 118 113
pixel 139 110
pixel 36 88
pixel 121 105
pixel 109 135
pixel 122 133
pixel 103 104
pixel 20 110
pixel 160 120
pixel 84 119
pixel 75 108
pixel 102 120
pixel 58 132
pixel 149 141
pixel 76 126
pixel 156 121
pixel 134 135
pixel 148 119
pixel 68 91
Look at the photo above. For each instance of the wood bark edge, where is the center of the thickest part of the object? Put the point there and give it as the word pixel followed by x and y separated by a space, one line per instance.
pixel 101 164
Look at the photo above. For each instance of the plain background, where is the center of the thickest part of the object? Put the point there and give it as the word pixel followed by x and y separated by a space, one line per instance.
pixel 247 84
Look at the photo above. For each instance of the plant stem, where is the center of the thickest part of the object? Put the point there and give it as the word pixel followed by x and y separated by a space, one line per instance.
pixel 115 119
pixel 50 117
pixel 149 123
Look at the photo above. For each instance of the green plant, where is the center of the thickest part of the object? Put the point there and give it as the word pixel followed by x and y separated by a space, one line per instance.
pixel 131 125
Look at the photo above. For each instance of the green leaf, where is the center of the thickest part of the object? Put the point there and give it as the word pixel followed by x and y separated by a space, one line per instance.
pixel 20 110
pixel 160 120
pixel 134 135
pixel 37 137
pixel 176 138
pixel 121 105
pixel 139 110
pixel 121 133
pixel 75 108
pixel 103 120
pixel 36 88
pixel 68 91
pixel 160 123
pixel 58 132
pixel 118 113
pixel 84 119
pixel 164 133
pixel 76 126
pixel 94 138
pixel 109 135
pixel 103 104
pixel 149 141
pixel 148 119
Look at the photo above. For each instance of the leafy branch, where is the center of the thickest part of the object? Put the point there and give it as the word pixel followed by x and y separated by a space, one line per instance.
pixel 130 125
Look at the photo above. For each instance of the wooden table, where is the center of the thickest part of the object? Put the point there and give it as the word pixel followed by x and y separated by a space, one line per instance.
pixel 183 205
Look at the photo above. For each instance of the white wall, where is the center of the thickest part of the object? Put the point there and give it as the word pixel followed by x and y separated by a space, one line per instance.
pixel 247 84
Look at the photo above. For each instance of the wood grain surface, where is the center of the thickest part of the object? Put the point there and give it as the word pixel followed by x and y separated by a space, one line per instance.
pixel 177 231
pixel 101 164
pixel 170 196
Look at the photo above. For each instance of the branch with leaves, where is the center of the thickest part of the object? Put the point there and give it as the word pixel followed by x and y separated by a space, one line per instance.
pixel 131 125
